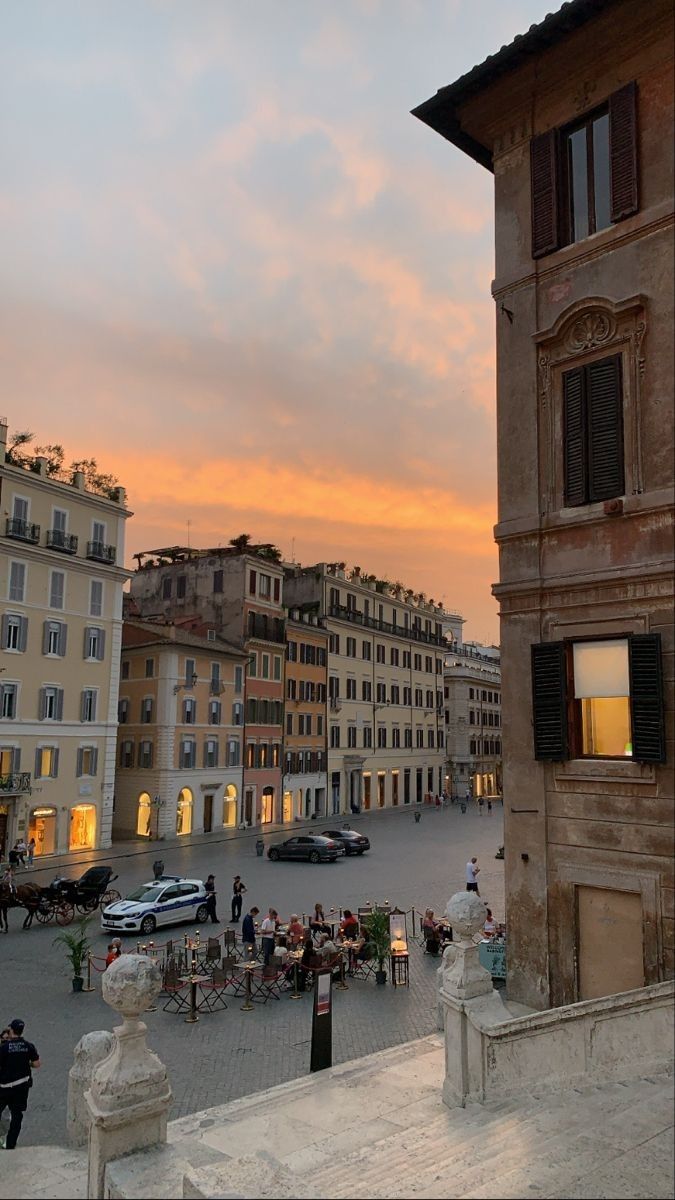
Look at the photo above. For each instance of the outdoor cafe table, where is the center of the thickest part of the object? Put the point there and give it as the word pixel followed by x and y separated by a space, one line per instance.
pixel 295 956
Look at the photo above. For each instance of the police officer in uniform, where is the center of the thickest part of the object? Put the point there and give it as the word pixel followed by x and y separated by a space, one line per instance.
pixel 18 1059
pixel 210 889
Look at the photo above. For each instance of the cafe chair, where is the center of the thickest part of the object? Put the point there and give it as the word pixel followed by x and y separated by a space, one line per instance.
pixel 176 991
pixel 267 982
pixel 229 941
pixel 213 951
pixel 363 968
pixel 235 983
pixel 213 990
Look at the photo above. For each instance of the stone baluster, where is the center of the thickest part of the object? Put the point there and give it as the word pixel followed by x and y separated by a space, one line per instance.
pixel 130 1096
pixel 89 1052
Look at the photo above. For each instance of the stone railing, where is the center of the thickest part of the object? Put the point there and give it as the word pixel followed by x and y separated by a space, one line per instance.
pixel 491 1054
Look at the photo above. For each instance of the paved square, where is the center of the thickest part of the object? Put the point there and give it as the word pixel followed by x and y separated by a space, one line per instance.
pixel 233 1053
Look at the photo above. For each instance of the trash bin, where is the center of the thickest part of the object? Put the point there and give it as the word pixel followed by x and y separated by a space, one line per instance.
pixel 259 847
pixel 417 818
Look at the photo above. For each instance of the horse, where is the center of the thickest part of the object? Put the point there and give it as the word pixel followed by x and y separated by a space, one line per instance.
pixel 25 895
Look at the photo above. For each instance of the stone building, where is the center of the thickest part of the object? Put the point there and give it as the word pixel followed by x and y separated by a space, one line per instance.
pixel 181 723
pixel 237 591
pixel 61 579
pixel 385 685
pixel 305 786
pixel 473 734
pixel 575 119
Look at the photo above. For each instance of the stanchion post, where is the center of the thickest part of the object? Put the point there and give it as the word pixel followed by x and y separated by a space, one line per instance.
pixel 88 987
pixel 342 985
pixel 192 1015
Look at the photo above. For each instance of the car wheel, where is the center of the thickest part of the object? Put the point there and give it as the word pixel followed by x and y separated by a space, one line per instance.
pixel 314 856
pixel 148 925
pixel 273 854
pixel 202 915
pixel 360 852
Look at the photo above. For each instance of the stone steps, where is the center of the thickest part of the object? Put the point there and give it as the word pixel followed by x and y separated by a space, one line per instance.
pixel 41 1172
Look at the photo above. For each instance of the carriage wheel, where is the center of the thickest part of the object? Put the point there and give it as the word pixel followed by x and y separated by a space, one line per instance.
pixel 65 912
pixel 110 897
pixel 44 911
pixel 86 906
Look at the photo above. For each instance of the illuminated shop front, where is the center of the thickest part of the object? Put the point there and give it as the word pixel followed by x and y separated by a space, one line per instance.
pixel 82 827
pixel 144 815
pixel 184 812
pixel 230 806
pixel 42 827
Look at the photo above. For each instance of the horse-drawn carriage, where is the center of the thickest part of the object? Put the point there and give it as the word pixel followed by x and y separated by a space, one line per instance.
pixel 64 896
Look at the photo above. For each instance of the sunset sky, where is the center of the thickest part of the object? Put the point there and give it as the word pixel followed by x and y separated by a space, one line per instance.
pixel 236 271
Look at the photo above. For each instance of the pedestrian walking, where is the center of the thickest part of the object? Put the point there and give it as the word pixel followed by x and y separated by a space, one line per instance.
pixel 481 802
pixel 31 851
pixel 267 931
pixel 210 889
pixel 238 889
pixel 18 1059
pixel 22 850
pixel 489 807
pixel 158 868
pixel 472 870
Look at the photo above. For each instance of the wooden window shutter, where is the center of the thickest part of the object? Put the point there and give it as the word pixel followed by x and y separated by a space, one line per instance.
pixel 544 183
pixel 277 589
pixel 63 638
pixel 55 763
pixel 251 583
pixel 646 698
pixel 23 633
pixel 605 427
pixel 80 760
pixel 549 701
pixel 574 437
pixel 623 152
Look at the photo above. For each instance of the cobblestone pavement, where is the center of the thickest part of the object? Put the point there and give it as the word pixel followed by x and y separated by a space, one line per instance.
pixel 232 1053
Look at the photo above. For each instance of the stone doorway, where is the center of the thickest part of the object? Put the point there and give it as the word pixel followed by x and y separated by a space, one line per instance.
pixel 610 946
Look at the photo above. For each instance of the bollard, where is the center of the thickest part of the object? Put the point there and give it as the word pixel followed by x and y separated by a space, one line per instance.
pixel 88 987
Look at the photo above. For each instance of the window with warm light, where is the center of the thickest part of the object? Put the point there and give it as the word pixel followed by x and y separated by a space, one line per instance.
pixel 601 689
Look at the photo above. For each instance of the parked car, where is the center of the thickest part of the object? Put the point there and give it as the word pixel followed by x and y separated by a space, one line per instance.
pixel 353 842
pixel 165 901
pixel 311 849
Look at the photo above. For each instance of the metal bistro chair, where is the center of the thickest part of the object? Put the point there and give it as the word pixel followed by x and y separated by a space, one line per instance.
pixel 233 982
pixel 229 942
pixel 176 991
pixel 213 990
pixel 267 982
pixel 213 952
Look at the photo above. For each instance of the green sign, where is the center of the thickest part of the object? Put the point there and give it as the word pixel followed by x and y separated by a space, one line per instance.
pixel 492 956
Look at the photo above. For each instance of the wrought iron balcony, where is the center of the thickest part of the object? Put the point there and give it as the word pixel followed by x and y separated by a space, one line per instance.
pixel 65 542
pixel 99 552
pixel 409 633
pixel 23 531
pixel 15 783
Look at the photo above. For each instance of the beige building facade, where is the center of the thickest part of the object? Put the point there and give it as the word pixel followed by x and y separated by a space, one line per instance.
pixel 473 735
pixel 575 120
pixel 181 722
pixel 61 579
pixel 385 719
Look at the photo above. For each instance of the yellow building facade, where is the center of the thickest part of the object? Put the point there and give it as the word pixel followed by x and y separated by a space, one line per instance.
pixel 61 579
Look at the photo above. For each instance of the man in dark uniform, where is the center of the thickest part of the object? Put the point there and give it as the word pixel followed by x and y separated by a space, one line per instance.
pixel 210 889
pixel 238 889
pixel 18 1058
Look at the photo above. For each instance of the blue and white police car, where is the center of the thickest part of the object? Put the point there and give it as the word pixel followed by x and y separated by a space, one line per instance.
pixel 165 901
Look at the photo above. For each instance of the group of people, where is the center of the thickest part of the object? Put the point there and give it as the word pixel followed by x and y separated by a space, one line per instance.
pixel 22 853
pixel 317 938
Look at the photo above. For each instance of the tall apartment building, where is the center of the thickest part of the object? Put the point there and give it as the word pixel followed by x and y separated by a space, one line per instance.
pixel 385 686
pixel 473 734
pixel 238 593
pixel 61 579
pixel 573 118
pixel 181 722
pixel 305 784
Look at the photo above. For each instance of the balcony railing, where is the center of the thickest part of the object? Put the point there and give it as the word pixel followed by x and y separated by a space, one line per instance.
pixel 23 531
pixel 99 552
pixel 267 629
pixel 65 542
pixel 16 783
pixel 355 617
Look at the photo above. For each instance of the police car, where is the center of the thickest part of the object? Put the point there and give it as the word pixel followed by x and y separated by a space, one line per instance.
pixel 165 901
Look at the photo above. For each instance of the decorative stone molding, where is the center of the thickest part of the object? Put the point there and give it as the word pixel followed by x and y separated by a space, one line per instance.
pixel 587 329
pixel 465 977
pixel 89 1052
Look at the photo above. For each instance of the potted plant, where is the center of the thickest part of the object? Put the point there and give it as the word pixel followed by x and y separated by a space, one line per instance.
pixel 77 946
pixel 379 941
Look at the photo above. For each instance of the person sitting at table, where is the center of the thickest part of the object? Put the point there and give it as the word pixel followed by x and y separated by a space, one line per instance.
pixel 490 926
pixel 268 931
pixel 296 931
pixel 430 929
pixel 317 923
pixel 248 927
pixel 327 947
pixel 308 956
pixel 349 925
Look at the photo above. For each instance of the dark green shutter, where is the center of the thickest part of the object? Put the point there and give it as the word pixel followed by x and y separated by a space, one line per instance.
pixel 623 156
pixel 549 701
pixel 574 438
pixel 605 427
pixel 544 186
pixel 646 698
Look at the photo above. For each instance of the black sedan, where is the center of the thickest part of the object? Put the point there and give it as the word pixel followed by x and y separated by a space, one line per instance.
pixel 353 842
pixel 311 849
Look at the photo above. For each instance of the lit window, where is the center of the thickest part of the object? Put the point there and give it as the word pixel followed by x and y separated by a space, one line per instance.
pixel 602 690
